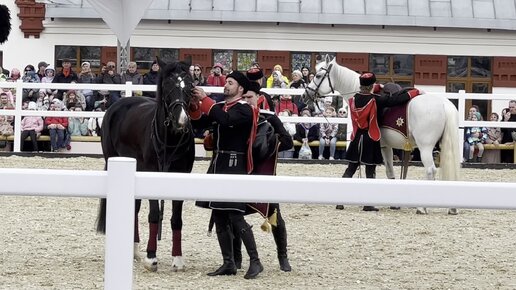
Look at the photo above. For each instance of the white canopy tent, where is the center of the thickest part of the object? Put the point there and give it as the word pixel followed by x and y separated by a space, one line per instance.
pixel 122 17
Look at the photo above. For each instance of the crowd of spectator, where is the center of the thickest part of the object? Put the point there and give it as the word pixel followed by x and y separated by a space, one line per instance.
pixel 326 133
pixel 476 137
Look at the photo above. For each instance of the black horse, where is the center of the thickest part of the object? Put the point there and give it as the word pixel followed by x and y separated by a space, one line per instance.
pixel 158 134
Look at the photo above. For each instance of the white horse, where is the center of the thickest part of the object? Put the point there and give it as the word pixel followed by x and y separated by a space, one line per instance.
pixel 431 118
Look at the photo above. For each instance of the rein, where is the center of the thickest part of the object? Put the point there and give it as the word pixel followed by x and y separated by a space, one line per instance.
pixel 167 123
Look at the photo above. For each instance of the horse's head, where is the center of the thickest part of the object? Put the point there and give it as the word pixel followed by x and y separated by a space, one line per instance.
pixel 322 83
pixel 174 93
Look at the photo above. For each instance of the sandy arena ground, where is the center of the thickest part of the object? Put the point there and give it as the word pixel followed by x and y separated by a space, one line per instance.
pixel 50 243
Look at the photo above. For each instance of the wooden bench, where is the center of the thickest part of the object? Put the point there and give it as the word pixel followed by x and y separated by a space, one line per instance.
pixel 502 147
pixel 47 138
pixel 79 144
pixel 340 144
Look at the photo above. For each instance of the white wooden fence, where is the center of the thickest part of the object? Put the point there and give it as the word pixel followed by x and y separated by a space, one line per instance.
pixel 128 88
pixel 121 184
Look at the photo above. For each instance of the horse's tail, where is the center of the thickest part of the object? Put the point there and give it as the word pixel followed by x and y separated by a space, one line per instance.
pixel 450 156
pixel 101 217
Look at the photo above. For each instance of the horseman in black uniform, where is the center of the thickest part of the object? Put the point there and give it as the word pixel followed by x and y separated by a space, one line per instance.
pixel 234 123
pixel 365 109
pixel 267 166
pixel 264 100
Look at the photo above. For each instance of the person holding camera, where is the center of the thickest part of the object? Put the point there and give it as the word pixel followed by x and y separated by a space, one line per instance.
pixel 217 79
pixel 109 75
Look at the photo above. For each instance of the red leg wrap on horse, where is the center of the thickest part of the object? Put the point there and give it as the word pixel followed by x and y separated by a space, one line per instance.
pixel 136 230
pixel 152 245
pixel 176 243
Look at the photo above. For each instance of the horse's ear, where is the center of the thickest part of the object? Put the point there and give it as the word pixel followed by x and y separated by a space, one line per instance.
pixel 327 58
pixel 162 64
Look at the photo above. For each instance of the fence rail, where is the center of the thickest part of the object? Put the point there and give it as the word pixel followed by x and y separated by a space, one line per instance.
pixel 121 184
pixel 128 88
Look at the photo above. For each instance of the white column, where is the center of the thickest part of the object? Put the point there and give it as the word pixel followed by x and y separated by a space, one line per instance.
pixel 118 271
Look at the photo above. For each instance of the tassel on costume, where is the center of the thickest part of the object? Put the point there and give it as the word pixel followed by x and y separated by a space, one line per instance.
pixel 407 146
pixel 270 222
pixel 266 226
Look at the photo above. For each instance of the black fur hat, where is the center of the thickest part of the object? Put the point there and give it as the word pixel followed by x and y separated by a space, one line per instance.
pixel 255 87
pixel 5 23
pixel 255 74
pixel 242 80
pixel 367 79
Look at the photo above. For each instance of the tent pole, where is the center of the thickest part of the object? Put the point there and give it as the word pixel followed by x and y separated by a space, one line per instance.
pixel 123 56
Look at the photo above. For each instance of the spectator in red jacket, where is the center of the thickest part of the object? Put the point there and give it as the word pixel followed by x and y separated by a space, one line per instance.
pixel 216 79
pixel 286 103
pixel 57 127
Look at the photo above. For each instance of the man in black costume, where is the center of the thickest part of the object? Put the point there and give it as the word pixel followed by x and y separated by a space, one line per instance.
pixel 234 123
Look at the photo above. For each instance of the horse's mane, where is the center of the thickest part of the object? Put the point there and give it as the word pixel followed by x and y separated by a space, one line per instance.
pixel 345 80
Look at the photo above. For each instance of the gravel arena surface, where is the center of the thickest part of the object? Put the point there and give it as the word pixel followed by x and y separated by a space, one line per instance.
pixel 50 243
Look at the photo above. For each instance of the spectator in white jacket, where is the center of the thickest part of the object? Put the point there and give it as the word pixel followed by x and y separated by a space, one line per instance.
pixel 291 129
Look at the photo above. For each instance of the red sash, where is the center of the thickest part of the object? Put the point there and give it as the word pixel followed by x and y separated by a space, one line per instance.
pixel 365 118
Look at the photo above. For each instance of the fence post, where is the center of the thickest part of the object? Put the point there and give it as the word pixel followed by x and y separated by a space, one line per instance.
pixel 128 91
pixel 462 113
pixel 118 271
pixel 18 116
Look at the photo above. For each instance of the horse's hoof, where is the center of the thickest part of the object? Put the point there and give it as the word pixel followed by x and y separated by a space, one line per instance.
pixel 421 210
pixel 136 252
pixel 453 211
pixel 151 264
pixel 178 264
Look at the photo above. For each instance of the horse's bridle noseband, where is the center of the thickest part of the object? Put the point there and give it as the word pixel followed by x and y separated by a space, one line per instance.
pixel 318 85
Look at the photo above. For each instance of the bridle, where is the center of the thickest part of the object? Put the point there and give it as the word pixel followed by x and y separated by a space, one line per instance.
pixel 171 119
pixel 315 91
pixel 178 102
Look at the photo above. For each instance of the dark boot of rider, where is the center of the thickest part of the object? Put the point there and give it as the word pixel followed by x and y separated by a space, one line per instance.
pixel 247 236
pixel 280 237
pixel 350 170
pixel 237 249
pixel 370 173
pixel 225 238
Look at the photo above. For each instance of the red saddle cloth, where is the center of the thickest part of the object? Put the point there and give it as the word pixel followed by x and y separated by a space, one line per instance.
pixel 395 118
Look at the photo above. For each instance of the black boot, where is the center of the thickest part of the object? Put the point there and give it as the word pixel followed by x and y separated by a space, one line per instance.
pixel 479 159
pixel 225 238
pixel 237 249
pixel 369 208
pixel 255 266
pixel 339 206
pixel 370 171
pixel 280 237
